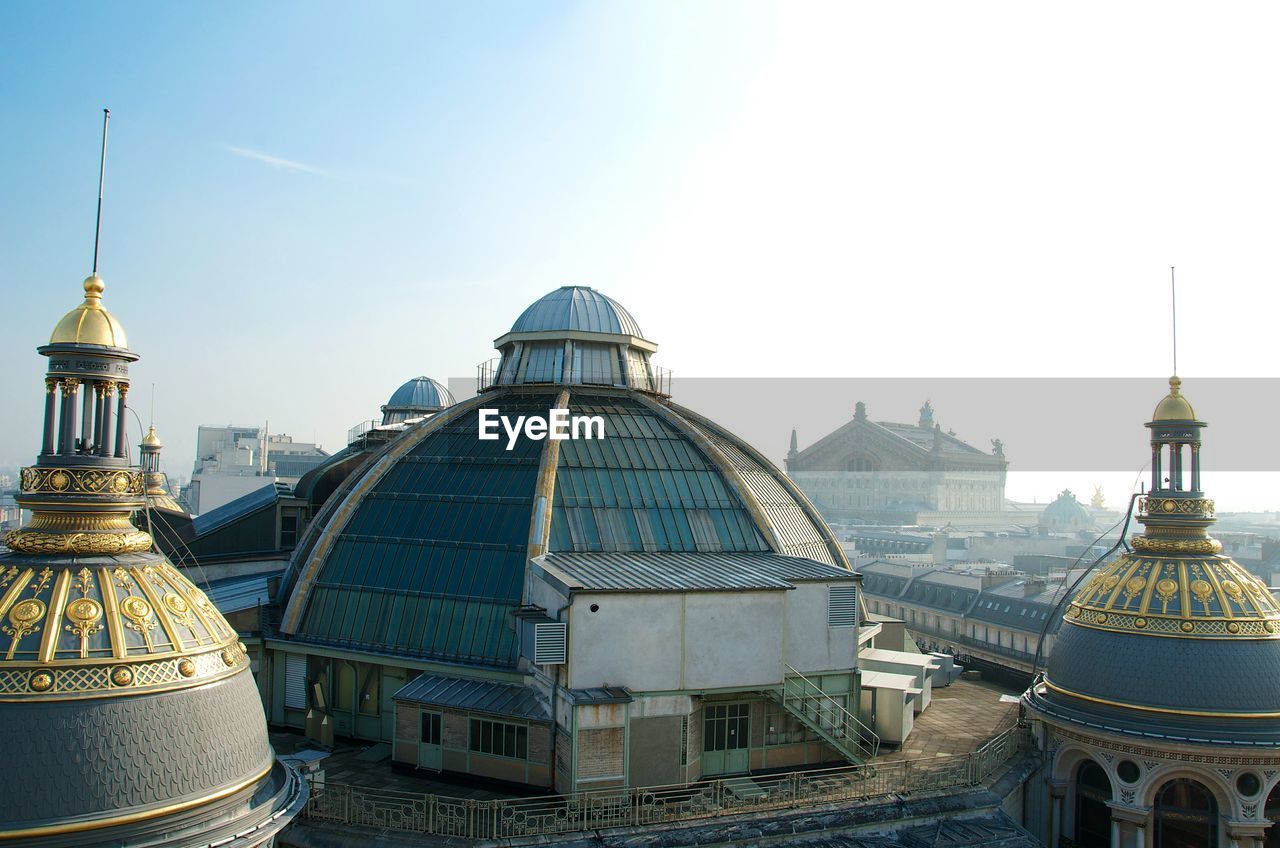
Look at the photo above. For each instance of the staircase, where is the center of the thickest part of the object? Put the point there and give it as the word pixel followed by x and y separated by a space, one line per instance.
pixel 827 717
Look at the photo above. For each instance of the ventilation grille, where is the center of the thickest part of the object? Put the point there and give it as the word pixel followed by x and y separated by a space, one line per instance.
pixel 842 606
pixel 295 681
pixel 550 643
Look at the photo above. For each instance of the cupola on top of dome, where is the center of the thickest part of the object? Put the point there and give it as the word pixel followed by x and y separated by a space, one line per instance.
pixel 90 323
pixel 416 398
pixel 575 336
pixel 576 309
pixel 1174 406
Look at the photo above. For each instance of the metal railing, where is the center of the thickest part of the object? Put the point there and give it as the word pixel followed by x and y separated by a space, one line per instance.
pixel 652 805
pixel 651 378
pixel 828 717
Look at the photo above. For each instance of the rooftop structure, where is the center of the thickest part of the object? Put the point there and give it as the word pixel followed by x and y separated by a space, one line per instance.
pixel 128 712
pixel 557 574
pixel 1158 706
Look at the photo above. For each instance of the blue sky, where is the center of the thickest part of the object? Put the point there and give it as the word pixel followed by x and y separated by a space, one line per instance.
pixel 308 203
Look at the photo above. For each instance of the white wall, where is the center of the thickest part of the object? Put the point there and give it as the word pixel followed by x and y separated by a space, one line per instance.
pixel 668 641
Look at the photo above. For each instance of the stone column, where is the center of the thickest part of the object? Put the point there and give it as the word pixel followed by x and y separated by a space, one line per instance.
pixel 1128 825
pixel 1195 468
pixel 67 420
pixel 86 416
pixel 48 446
pixel 1156 471
pixel 121 430
pixel 104 432
pixel 1057 797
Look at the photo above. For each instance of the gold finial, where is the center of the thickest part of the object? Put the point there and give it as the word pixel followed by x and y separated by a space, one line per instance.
pixel 93 289
pixel 1175 383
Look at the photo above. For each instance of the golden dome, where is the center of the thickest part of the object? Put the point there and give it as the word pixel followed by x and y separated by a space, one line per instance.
pixel 151 440
pixel 89 323
pixel 1174 407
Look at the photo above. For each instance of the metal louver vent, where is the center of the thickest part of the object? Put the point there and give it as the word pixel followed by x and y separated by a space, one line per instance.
pixel 842 606
pixel 550 642
pixel 295 681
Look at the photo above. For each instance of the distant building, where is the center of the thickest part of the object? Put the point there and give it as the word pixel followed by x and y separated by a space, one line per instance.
pixel 1066 515
pixel 990 614
pixel 883 472
pixel 233 461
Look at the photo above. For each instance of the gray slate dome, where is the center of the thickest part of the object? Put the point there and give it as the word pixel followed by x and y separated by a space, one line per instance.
pixel 577 308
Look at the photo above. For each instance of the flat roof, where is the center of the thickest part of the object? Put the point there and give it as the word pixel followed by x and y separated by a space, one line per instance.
pixel 889 680
pixel 684 572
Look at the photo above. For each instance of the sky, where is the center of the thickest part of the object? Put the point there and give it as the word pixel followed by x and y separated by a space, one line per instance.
pixel 309 203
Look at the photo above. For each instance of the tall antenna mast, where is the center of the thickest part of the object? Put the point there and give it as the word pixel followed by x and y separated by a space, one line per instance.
pixel 102 175
pixel 1173 295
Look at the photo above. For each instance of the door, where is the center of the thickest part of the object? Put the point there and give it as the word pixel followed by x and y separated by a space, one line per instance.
pixel 726 739
pixel 429 751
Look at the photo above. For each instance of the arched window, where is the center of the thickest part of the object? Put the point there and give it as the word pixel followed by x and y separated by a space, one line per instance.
pixel 1186 816
pixel 1273 813
pixel 1093 816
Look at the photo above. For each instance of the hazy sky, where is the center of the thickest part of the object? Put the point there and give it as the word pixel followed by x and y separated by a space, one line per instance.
pixel 308 203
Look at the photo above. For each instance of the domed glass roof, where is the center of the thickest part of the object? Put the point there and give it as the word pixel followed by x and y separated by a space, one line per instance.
pixel 89 323
pixel 577 308
pixel 421 393
pixel 426 553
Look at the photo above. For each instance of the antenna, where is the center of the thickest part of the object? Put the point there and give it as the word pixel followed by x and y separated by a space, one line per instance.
pixel 102 175
pixel 152 422
pixel 1173 296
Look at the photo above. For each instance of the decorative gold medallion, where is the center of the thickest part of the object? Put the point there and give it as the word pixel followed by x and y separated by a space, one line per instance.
pixel 176 604
pixel 59 481
pixel 1139 623
pixel 135 608
pixel 1233 627
pixel 26 612
pixel 41 681
pixel 1187 627
pixel 122 675
pixel 186 668
pixel 1202 590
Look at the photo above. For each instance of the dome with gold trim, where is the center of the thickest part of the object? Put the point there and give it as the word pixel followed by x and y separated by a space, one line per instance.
pixel 128 711
pixel 90 323
pixel 1172 638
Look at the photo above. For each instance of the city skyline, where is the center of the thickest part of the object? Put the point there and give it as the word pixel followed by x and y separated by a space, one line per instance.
pixel 830 195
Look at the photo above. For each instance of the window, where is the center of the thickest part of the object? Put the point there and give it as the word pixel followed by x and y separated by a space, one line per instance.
pixel 782 728
pixel 431 728
pixel 500 739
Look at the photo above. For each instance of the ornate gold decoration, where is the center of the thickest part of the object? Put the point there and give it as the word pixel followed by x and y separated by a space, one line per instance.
pixel 70 385
pixel 77 544
pixel 91 481
pixel 1209 596
pixel 1198 507
pixel 1176 546
pixel 50 385
pixel 92 680
pixel 23 619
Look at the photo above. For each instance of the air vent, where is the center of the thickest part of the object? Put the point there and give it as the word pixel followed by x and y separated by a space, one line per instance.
pixel 842 606
pixel 550 643
pixel 295 681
